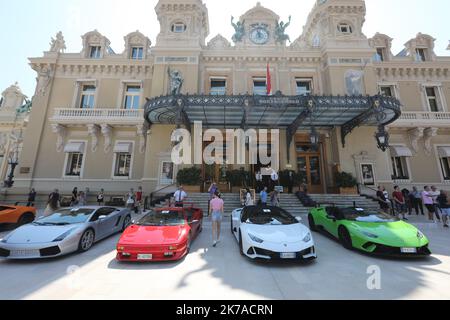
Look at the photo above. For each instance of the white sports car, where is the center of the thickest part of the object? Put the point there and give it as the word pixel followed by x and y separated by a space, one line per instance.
pixel 271 233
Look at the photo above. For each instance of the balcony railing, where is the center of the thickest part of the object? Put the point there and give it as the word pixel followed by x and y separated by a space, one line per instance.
pixel 94 116
pixel 417 119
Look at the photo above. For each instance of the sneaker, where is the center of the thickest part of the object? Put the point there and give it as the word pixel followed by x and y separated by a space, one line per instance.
pixel 445 225
pixel 215 244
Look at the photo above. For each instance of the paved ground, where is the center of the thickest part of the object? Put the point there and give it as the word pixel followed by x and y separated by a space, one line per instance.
pixel 221 273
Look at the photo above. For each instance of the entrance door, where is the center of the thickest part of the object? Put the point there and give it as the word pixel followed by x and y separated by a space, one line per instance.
pixel 309 164
pixel 215 173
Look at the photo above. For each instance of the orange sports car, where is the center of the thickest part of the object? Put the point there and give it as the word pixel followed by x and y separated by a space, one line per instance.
pixel 16 214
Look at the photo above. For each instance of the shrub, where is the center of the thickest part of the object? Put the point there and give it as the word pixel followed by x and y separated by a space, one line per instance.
pixel 345 180
pixel 189 176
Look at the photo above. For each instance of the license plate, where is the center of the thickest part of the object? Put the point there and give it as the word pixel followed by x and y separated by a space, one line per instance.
pixel 288 255
pixel 25 253
pixel 409 250
pixel 145 257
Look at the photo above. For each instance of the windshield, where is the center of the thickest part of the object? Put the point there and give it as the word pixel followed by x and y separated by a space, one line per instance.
pixel 361 215
pixel 163 218
pixel 270 216
pixel 66 217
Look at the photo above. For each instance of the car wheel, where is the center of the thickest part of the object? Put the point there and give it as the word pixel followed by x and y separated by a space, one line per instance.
pixel 87 240
pixel 345 239
pixel 312 223
pixel 241 246
pixel 126 223
pixel 26 218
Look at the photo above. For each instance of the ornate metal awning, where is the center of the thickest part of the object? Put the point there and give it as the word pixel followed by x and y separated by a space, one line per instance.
pixel 279 111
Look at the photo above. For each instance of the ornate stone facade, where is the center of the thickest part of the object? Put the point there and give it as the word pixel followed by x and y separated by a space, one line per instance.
pixel 96 97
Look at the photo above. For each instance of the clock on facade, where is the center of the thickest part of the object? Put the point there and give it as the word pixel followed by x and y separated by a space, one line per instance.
pixel 259 35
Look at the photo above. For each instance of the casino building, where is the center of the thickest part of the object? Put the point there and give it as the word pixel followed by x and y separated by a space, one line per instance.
pixel 102 119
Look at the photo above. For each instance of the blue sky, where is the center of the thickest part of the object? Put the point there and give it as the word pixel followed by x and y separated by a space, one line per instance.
pixel 26 26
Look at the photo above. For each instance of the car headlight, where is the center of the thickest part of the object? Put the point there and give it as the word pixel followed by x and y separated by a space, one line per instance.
pixel 63 236
pixel 307 238
pixel 255 239
pixel 369 234
pixel 420 235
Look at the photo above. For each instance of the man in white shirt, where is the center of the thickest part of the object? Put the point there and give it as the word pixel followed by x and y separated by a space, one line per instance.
pixel 180 195
pixel 435 193
pixel 259 180
pixel 274 177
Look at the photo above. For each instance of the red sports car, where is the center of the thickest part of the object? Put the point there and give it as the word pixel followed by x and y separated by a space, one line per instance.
pixel 161 235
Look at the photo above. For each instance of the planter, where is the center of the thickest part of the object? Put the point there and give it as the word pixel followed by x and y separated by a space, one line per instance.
pixel 349 191
pixel 192 189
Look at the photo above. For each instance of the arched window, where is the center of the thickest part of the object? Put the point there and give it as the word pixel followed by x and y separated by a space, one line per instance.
pixel 178 27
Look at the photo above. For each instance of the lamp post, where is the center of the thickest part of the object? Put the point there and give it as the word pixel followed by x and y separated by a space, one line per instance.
pixel 13 161
pixel 382 137
pixel 314 137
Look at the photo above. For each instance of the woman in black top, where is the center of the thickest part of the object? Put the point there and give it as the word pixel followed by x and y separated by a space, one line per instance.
pixel 442 200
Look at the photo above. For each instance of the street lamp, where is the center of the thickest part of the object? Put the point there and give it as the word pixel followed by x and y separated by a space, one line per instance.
pixel 382 137
pixel 13 161
pixel 314 137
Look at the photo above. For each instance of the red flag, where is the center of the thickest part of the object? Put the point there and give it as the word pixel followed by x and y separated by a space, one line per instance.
pixel 268 81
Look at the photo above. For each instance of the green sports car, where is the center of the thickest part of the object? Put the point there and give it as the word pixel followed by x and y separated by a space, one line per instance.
pixel 370 232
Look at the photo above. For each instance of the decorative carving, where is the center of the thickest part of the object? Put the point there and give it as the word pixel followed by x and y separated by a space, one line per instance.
pixel 12 97
pixel 429 134
pixel 107 134
pixel 239 30
pixel 44 77
pixel 219 42
pixel 94 131
pixel 3 142
pixel 176 81
pixel 280 31
pixel 414 136
pixel 354 82
pixel 58 44
pixel 142 132
pixel 60 131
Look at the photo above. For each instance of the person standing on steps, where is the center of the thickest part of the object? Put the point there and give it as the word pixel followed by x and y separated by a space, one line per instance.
pixel 139 195
pixel 291 182
pixel 74 200
pixel 263 195
pixel 101 197
pixel 31 198
pixel 180 195
pixel 216 211
pixel 384 204
pixel 416 198
pixel 259 181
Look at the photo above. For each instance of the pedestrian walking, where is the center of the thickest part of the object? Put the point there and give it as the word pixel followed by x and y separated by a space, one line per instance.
pixel 53 203
pixel 291 181
pixel 384 203
pixel 249 199
pixel 180 195
pixel 216 211
pixel 259 180
pixel 31 198
pixel 82 200
pixel 139 199
pixel 427 200
pixel 399 201
pixel 275 199
pixel 74 200
pixel 435 193
pixel 131 199
pixel 444 206
pixel 101 197
pixel 416 198
pixel 263 197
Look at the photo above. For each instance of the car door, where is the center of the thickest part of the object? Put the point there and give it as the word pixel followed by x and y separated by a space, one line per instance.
pixel 331 220
pixel 106 226
pixel 193 222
